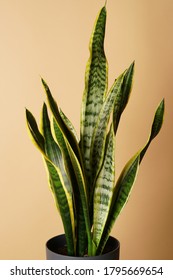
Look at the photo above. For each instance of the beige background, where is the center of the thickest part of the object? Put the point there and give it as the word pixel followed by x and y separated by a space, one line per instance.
pixel 50 38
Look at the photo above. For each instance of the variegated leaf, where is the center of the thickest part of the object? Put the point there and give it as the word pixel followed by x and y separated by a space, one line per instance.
pixel 83 191
pixel 122 193
pixel 124 186
pixel 99 136
pixel 64 202
pixel 66 131
pixel 60 185
pixel 156 126
pixel 52 149
pixel 69 124
pixel 123 96
pixel 95 87
pixel 80 219
pixel 34 132
pixel 60 139
pixel 104 189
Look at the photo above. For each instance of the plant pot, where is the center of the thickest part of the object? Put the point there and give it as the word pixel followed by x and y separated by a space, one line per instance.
pixel 55 244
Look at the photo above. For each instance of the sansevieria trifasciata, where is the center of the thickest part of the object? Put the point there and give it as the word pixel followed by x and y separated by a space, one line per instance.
pixel 81 172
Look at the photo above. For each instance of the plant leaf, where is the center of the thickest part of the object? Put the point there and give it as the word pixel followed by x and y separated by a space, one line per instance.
pixel 95 87
pixel 60 139
pixel 52 149
pixel 103 191
pixel 79 188
pixel 156 126
pixel 62 193
pixel 62 125
pixel 69 124
pixel 123 96
pixel 60 181
pixel 121 195
pixel 83 194
pixel 80 220
pixel 99 136
pixel 65 205
pixel 34 132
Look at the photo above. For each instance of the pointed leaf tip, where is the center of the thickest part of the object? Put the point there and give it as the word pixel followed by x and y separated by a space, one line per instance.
pixel 44 84
pixel 123 97
pixel 35 134
pixel 158 119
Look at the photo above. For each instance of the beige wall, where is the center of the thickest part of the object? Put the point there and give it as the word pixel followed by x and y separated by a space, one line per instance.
pixel 50 38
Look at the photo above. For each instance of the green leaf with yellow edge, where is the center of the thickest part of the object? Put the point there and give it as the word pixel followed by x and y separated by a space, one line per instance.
pixel 64 202
pixel 60 185
pixel 99 136
pixel 120 197
pixel 156 126
pixel 69 124
pixel 80 219
pixel 34 132
pixel 122 192
pixel 82 185
pixel 95 87
pixel 104 187
pixel 122 98
pixel 67 132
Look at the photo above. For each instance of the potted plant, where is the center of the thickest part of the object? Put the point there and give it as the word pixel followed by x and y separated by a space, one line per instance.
pixel 81 173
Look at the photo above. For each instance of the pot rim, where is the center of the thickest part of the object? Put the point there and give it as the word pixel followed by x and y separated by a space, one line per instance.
pixel 61 238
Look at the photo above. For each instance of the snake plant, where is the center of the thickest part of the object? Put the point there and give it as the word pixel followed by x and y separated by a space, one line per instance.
pixel 81 173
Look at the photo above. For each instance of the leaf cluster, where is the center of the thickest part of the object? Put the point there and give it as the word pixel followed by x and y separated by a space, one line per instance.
pixel 81 173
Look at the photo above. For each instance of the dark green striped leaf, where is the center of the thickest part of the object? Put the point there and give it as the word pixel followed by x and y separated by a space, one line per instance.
pixel 83 194
pixel 60 181
pixel 34 132
pixel 60 139
pixel 68 134
pixel 99 136
pixel 69 124
pixel 122 98
pixel 156 126
pixel 123 187
pixel 64 203
pixel 121 195
pixel 95 86
pixel 104 189
pixel 52 149
pixel 80 219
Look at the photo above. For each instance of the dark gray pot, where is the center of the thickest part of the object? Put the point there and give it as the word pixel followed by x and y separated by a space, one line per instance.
pixel 59 241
